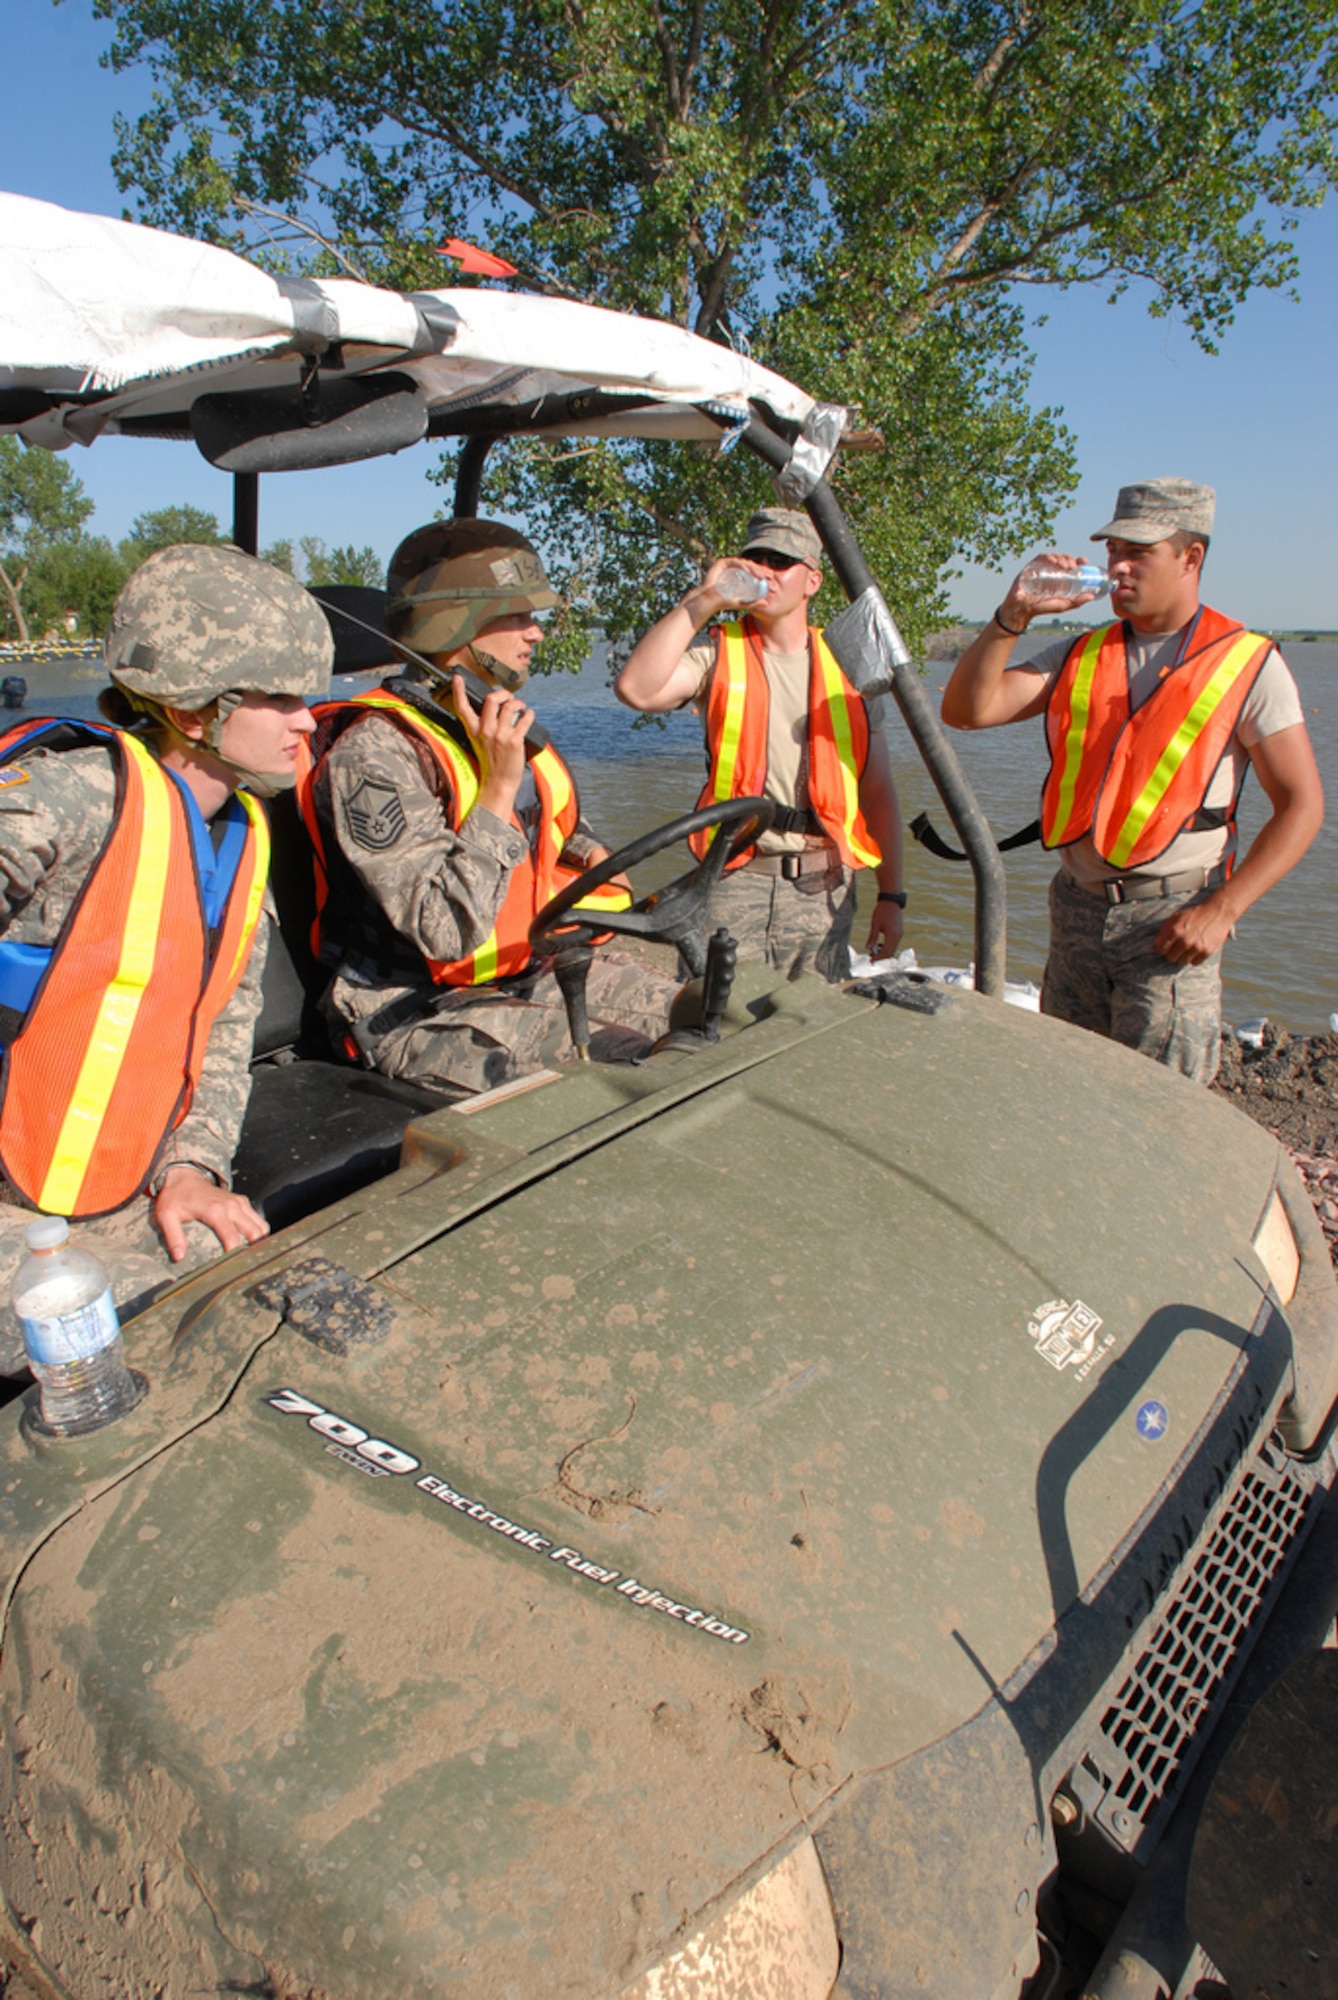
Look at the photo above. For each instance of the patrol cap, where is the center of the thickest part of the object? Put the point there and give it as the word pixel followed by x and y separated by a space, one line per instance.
pixel 448 580
pixel 1155 509
pixel 784 531
pixel 198 621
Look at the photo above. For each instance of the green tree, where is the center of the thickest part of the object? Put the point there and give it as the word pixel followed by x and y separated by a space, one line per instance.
pixel 41 504
pixel 164 527
pixel 83 574
pixel 342 565
pixel 865 190
pixel 280 556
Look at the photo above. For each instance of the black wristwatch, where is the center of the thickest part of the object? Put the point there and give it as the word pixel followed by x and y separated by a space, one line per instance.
pixel 897 896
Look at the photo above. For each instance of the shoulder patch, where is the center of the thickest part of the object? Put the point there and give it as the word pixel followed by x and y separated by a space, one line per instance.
pixel 375 814
pixel 11 775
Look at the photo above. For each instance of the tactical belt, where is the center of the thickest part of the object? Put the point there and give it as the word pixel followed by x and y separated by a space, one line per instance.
pixel 1152 888
pixel 810 861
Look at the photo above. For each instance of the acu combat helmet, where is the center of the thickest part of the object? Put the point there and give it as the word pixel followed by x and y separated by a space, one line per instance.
pixel 198 623
pixel 448 580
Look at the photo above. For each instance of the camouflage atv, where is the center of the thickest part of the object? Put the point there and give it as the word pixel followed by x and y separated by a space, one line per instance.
pixel 801 1516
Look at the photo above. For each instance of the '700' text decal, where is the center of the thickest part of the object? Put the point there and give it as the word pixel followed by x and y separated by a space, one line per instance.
pixel 380 1459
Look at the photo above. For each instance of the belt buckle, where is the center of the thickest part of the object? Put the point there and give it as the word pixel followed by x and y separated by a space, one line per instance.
pixel 792 867
pixel 1115 892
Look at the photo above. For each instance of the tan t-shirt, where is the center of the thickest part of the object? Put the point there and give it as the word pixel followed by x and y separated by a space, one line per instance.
pixel 1273 704
pixel 787 734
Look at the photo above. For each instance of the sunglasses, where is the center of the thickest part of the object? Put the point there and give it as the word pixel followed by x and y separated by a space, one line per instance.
pixel 770 559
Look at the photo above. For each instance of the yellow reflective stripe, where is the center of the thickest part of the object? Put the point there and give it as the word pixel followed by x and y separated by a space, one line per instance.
pixel 1173 756
pixel 256 894
pixel 467 781
pixel 606 898
pixel 557 777
pixel 731 734
pixel 839 710
pixel 1080 708
pixel 484 961
pixel 82 1123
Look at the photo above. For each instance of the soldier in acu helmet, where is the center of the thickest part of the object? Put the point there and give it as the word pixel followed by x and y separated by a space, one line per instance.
pixel 133 917
pixel 442 828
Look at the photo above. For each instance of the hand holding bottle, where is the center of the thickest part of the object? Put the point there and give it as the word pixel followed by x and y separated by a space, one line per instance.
pixel 734 585
pixel 1060 583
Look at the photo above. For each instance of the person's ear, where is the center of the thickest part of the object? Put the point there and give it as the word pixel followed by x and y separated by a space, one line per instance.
pixel 189 722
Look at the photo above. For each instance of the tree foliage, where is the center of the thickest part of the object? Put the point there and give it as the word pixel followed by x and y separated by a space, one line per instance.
pixel 869 192
pixel 82 574
pixel 164 528
pixel 42 506
pixel 339 565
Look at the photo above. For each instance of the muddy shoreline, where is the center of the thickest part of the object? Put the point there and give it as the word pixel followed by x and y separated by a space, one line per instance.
pixel 1289 1084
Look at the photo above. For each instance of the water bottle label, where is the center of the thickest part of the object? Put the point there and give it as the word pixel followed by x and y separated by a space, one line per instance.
pixel 72 1336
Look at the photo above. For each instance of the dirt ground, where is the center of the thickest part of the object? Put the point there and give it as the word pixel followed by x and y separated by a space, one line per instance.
pixel 1290 1085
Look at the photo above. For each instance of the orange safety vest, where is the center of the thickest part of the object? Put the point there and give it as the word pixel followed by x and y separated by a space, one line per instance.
pixel 535 879
pixel 110 1051
pixel 737 709
pixel 1135 780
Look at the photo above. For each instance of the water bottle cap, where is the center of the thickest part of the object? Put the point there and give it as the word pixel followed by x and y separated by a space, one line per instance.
pixel 47 1233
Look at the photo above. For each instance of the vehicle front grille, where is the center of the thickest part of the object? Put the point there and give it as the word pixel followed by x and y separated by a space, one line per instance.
pixel 1144 1743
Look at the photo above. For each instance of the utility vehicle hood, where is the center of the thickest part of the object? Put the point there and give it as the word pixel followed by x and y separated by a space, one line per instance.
pixel 728 1429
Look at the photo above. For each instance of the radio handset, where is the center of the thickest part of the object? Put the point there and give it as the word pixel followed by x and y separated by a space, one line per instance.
pixel 536 736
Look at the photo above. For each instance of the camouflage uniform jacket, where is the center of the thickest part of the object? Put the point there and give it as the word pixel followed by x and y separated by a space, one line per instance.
pixel 52 829
pixel 404 886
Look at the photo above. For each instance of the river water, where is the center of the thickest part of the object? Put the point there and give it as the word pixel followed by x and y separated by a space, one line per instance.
pixel 1283 964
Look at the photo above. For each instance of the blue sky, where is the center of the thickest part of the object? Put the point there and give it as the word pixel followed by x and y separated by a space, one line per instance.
pixel 1259 421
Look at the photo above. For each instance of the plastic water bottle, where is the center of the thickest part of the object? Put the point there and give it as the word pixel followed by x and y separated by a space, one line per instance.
pixel 71 1331
pixel 1042 579
pixel 741 585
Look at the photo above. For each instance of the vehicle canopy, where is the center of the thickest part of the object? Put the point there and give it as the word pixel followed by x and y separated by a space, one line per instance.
pixel 110 327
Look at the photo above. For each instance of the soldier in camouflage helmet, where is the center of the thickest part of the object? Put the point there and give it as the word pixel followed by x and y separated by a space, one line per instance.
pixel 204 629
pixel 445 827
pixel 212 655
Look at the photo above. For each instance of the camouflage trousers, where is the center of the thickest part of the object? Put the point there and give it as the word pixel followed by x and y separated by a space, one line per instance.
pixel 472 1039
pixel 1105 973
pixel 128 1244
pixel 796 927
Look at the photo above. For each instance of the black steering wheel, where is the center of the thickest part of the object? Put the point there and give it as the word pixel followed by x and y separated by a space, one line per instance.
pixel 675 914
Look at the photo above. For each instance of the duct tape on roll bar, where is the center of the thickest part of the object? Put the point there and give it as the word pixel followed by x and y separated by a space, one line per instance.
pixel 813 452
pixel 315 321
pixel 867 643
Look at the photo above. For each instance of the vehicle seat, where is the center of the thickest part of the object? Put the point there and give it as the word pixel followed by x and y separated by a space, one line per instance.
pixel 316 1126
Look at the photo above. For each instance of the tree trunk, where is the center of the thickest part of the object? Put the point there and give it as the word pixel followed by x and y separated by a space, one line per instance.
pixel 11 591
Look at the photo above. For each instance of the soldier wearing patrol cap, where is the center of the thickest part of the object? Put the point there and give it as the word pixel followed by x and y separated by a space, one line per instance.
pixel 132 862
pixel 782 722
pixel 1153 723
pixel 441 830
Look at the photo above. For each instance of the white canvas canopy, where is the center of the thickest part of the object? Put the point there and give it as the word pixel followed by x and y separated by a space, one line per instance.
pixel 108 326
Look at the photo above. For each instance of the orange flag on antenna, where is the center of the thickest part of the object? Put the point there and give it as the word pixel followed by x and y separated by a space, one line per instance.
pixel 471 258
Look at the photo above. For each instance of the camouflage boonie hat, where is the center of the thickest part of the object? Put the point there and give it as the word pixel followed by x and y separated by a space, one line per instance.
pixel 451 578
pixel 784 531
pixel 1155 509
pixel 196 622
